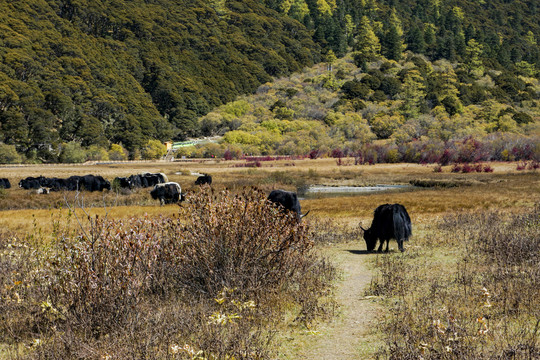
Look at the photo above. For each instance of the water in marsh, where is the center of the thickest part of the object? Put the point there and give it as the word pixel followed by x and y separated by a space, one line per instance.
pixel 318 191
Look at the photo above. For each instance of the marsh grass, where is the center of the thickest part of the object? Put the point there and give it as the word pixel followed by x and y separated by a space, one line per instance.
pixel 479 303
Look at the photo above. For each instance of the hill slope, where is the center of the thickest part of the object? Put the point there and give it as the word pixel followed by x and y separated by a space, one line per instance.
pixel 411 110
pixel 115 71
pixel 126 71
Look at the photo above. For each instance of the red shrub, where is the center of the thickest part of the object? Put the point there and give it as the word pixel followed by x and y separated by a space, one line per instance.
pixel 314 154
pixel 228 155
pixel 337 153
pixel 533 165
pixel 467 168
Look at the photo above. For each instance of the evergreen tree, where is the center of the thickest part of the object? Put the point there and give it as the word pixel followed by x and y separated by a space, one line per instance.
pixel 460 43
pixel 473 61
pixel 349 28
pixel 393 45
pixel 330 59
pixel 412 94
pixel 415 40
pixel 367 46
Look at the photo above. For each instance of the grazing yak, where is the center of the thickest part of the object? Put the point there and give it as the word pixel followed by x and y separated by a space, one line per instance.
pixel 288 201
pixel 121 183
pixel 204 179
pixel 140 180
pixel 32 182
pixel 390 221
pixel 4 183
pixel 86 182
pixel 167 193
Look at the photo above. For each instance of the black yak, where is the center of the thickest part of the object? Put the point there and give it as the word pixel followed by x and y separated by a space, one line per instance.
pixel 390 221
pixel 204 179
pixel 167 193
pixel 288 201
pixel 4 183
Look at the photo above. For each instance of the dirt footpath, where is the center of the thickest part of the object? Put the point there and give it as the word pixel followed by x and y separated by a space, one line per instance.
pixel 351 334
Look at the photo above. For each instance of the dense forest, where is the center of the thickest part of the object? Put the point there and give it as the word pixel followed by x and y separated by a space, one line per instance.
pixel 102 79
pixel 102 72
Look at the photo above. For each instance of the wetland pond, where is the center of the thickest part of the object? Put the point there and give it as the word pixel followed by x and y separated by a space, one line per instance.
pixel 318 191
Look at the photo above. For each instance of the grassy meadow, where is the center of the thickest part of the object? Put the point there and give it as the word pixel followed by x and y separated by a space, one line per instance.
pixel 449 257
pixel 505 189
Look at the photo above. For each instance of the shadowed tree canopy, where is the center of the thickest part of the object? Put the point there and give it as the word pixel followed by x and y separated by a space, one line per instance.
pixel 97 72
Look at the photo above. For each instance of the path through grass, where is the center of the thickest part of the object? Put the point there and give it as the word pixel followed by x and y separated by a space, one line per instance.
pixel 351 334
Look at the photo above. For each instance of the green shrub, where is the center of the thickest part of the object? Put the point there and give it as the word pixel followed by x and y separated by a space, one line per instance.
pixel 9 155
pixel 72 152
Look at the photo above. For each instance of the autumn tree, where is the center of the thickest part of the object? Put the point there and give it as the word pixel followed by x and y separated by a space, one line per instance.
pixel 154 149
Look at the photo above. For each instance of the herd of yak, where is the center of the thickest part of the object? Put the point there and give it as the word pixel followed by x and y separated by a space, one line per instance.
pixel 163 190
pixel 390 221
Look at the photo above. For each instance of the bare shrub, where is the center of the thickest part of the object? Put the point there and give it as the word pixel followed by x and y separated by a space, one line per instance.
pixel 214 280
pixel 239 241
pixel 16 295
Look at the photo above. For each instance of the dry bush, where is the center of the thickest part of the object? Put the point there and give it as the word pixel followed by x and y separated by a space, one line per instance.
pixel 484 306
pixel 218 277
pixel 17 264
pixel 327 231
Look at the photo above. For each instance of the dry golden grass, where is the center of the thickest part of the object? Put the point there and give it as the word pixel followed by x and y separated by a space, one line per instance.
pixel 505 188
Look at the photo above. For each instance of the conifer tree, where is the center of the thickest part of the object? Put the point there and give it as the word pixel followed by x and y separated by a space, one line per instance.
pixel 415 40
pixel 412 94
pixel 393 45
pixel 473 61
pixel 330 59
pixel 367 45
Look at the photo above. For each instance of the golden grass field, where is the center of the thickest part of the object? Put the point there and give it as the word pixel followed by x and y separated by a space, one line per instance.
pixel 432 256
pixel 505 188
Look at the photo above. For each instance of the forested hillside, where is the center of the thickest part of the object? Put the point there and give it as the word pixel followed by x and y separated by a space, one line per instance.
pixel 412 110
pixel 102 72
pixel 78 76
pixel 508 30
